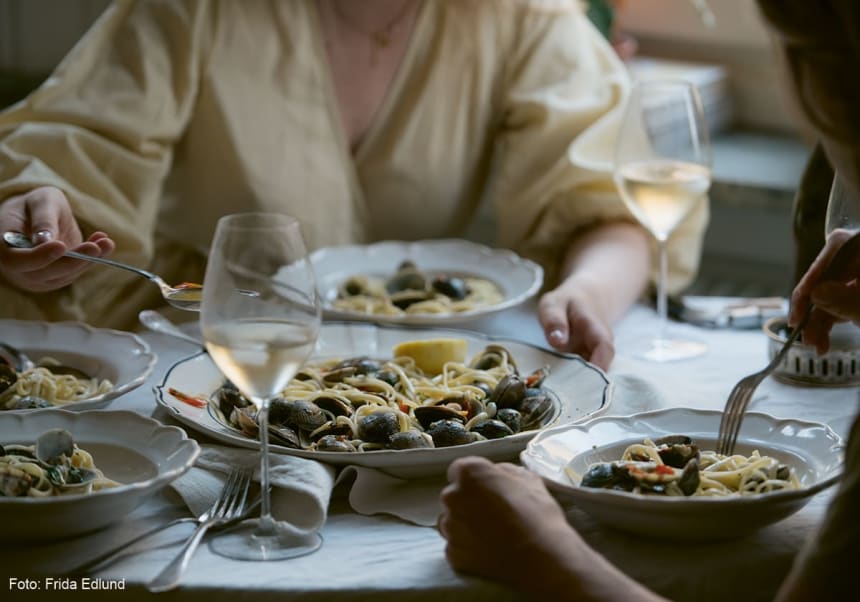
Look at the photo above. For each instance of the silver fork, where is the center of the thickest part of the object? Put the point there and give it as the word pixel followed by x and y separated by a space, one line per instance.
pixel 739 398
pixel 229 505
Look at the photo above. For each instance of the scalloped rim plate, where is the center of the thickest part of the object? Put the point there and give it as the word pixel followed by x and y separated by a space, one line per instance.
pixel 122 357
pixel 582 389
pixel 814 449
pixel 517 277
pixel 140 452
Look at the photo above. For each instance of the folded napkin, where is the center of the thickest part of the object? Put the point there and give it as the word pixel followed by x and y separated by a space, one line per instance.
pixel 301 488
pixel 374 492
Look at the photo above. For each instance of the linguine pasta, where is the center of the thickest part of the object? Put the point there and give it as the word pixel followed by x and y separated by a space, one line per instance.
pixel 677 468
pixel 56 389
pixel 22 474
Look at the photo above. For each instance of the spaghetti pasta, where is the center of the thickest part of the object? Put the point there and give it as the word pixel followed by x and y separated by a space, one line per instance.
pixel 41 387
pixel 362 404
pixel 410 291
pixel 674 466
pixel 24 472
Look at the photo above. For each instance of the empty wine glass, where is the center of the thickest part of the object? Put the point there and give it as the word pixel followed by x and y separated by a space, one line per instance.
pixel 662 171
pixel 259 342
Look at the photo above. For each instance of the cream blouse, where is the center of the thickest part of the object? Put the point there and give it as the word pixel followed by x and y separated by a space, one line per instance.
pixel 171 113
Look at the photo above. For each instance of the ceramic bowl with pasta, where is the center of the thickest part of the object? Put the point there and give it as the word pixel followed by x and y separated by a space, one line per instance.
pixel 426 282
pixel 78 367
pixel 66 473
pixel 656 474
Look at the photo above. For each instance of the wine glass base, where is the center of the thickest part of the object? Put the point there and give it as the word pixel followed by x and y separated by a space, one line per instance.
pixel 668 350
pixel 244 543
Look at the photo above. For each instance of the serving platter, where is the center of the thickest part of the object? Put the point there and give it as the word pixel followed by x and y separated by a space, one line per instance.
pixel 813 449
pixel 518 278
pixel 121 357
pixel 582 391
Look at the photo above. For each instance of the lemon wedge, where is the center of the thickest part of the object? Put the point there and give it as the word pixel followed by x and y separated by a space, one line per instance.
pixel 431 355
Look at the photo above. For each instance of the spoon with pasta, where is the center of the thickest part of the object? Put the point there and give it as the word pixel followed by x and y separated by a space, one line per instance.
pixel 186 295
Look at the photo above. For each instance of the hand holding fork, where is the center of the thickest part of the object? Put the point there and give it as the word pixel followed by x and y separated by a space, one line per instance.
pixel 229 505
pixel 739 398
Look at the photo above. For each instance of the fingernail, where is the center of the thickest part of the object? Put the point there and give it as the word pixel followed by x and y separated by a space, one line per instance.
pixel 557 336
pixel 42 236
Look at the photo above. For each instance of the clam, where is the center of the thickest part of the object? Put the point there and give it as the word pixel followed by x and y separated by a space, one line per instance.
pixel 492 429
pixel 334 443
pixel 53 445
pixel 407 278
pixel 378 427
pixel 446 433
pixel 450 286
pixel 411 439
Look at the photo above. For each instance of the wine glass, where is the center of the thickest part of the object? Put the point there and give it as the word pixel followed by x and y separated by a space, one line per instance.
pixel 259 341
pixel 662 171
pixel 843 208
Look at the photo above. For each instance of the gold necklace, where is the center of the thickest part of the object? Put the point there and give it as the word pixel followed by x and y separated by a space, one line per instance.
pixel 381 37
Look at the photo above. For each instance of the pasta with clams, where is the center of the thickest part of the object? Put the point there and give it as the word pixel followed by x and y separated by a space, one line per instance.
pixel 410 291
pixel 674 466
pixel 362 404
pixel 54 465
pixel 44 386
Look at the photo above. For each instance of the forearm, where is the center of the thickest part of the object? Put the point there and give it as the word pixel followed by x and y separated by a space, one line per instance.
pixel 581 574
pixel 610 263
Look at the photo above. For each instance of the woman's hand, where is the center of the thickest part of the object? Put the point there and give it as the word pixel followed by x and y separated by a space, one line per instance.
pixel 836 300
pixel 604 272
pixel 45 216
pixel 572 322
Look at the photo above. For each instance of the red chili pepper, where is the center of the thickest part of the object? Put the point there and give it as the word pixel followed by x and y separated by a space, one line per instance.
pixel 197 402
pixel 663 469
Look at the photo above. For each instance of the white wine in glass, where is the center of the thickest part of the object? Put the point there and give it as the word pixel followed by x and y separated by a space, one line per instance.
pixel 260 318
pixel 662 171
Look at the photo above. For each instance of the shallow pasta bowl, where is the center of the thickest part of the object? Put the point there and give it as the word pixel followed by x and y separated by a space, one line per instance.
pixel 517 278
pixel 121 357
pixel 140 453
pixel 814 450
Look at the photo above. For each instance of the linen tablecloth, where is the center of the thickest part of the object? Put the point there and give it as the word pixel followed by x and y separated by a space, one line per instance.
pixel 381 557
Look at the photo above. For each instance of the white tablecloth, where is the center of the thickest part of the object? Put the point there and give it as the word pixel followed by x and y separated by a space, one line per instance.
pixel 383 558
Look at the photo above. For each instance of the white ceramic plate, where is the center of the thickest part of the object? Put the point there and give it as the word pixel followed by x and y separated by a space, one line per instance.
pixel 139 452
pixel 582 390
pixel 813 449
pixel 518 278
pixel 121 357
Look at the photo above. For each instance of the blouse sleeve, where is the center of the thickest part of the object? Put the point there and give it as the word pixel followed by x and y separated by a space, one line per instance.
pixel 561 105
pixel 102 126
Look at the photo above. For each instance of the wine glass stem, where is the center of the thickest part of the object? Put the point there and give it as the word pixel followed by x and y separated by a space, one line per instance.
pixel 662 281
pixel 266 527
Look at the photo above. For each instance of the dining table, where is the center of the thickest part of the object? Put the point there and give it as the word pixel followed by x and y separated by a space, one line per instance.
pixel 381 557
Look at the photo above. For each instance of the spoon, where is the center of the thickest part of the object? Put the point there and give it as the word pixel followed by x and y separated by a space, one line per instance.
pixel 186 295
pixel 156 322
pixel 21 362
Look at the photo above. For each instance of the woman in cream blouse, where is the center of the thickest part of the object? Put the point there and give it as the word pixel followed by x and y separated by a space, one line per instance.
pixel 380 119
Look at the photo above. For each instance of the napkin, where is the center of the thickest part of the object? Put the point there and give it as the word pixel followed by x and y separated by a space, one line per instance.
pixel 374 492
pixel 301 489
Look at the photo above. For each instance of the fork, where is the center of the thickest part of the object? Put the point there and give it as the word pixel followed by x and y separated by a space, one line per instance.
pixel 229 505
pixel 739 398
